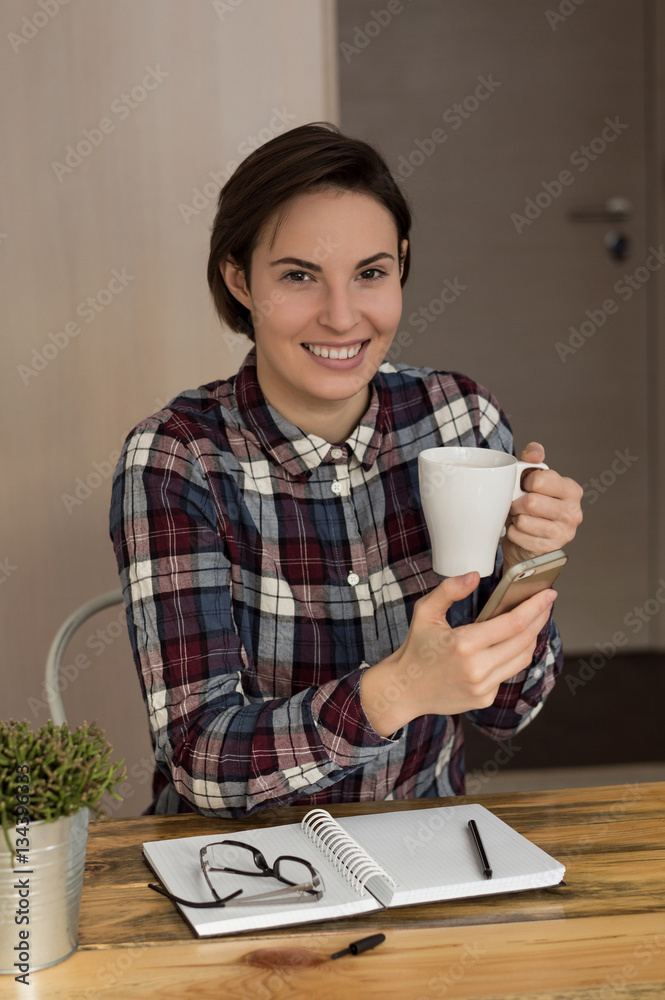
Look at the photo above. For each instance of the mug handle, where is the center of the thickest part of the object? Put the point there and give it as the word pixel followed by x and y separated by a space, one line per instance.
pixel 521 469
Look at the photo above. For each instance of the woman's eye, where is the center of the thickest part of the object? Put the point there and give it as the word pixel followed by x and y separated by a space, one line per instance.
pixel 302 277
pixel 296 277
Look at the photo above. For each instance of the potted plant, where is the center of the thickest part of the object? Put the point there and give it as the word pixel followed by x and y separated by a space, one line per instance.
pixel 50 780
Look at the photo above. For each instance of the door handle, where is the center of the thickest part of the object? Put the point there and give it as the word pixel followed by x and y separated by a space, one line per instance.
pixel 615 209
pixel 617 245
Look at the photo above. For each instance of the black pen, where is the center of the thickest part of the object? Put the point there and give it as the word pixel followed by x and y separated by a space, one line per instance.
pixel 487 871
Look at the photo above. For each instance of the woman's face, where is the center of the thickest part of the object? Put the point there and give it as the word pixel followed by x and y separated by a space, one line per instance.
pixel 325 300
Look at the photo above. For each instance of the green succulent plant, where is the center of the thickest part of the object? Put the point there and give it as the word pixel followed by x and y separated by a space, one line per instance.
pixel 68 769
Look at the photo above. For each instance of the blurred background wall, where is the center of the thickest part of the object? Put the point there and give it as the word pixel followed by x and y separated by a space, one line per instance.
pixel 501 119
pixel 505 120
pixel 121 121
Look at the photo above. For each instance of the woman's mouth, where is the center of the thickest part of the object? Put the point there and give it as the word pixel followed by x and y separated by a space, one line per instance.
pixel 337 357
pixel 321 350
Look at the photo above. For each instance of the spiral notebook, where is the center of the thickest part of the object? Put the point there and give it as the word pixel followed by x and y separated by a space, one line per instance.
pixel 367 863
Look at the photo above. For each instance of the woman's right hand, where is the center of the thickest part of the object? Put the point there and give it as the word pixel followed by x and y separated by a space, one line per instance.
pixel 444 671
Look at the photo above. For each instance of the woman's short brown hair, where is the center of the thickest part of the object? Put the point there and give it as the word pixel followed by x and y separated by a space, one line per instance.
pixel 304 159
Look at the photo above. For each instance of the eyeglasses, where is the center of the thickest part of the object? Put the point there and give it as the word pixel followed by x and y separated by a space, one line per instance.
pixel 303 882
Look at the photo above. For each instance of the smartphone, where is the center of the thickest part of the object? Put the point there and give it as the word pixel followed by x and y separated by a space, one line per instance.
pixel 523 581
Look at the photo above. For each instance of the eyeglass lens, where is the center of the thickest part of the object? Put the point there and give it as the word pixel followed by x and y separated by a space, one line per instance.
pixel 293 871
pixel 233 856
pixel 242 859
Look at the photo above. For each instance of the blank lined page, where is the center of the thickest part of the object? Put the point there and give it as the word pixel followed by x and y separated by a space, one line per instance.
pixel 431 853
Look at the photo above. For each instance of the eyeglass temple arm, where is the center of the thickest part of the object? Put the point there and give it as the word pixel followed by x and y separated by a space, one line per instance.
pixel 189 902
pixel 304 887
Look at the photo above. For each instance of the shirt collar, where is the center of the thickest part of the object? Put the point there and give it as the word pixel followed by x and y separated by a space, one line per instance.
pixel 289 446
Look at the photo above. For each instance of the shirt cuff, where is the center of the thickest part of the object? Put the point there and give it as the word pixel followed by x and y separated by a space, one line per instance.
pixel 344 730
pixel 542 640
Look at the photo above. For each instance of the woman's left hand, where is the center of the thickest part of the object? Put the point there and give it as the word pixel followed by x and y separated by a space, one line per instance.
pixel 547 517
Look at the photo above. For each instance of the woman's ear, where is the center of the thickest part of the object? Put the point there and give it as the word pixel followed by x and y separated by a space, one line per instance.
pixel 402 255
pixel 234 279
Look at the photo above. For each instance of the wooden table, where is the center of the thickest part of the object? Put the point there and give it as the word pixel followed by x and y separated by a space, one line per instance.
pixel 601 937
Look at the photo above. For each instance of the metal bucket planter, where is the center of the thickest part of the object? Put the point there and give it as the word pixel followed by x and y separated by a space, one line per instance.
pixel 45 889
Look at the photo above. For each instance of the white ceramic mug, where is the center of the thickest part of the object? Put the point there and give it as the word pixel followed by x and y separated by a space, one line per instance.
pixel 466 494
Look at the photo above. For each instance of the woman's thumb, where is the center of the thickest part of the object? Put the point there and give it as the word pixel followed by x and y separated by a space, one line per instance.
pixel 455 588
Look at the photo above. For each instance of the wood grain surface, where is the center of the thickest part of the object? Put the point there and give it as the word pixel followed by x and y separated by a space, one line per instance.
pixel 599 937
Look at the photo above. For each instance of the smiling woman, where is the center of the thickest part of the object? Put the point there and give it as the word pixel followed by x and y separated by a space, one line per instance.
pixel 332 321
pixel 292 639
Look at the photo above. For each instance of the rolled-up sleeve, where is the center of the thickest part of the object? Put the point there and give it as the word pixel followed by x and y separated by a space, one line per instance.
pixel 520 699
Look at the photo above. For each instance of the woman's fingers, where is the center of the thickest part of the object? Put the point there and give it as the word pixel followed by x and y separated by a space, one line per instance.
pixel 512 623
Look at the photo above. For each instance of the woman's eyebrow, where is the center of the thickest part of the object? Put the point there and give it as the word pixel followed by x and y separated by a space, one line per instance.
pixel 311 266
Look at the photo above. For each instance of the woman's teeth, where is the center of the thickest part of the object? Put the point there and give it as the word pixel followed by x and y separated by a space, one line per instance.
pixel 342 353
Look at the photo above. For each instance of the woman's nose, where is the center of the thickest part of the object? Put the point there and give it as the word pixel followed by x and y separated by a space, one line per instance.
pixel 338 311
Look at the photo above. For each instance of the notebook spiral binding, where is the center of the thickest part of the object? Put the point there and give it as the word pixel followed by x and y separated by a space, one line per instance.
pixel 341 850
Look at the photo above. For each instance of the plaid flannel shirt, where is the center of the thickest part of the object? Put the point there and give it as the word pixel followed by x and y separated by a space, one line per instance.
pixel 264 569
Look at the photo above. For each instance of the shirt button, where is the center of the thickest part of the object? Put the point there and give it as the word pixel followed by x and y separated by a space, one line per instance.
pixel 353 579
pixel 337 453
pixel 336 487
